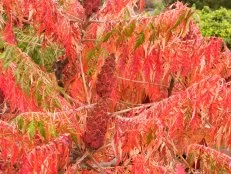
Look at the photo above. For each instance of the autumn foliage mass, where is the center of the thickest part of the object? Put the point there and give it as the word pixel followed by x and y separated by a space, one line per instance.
pixel 103 87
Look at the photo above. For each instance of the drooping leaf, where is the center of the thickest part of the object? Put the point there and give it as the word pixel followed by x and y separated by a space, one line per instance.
pixel 20 122
pixel 41 128
pixel 128 30
pixel 31 129
pixel 107 36
pixel 139 40
pixel 48 158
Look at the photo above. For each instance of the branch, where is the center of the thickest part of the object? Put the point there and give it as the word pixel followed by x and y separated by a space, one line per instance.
pixel 142 82
pixel 131 109
pixel 137 17
pixel 73 18
pixel 219 157
pixel 84 79
pixel 70 111
pixel 89 40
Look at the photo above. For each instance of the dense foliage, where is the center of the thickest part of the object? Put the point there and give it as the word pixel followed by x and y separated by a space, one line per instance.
pixel 216 23
pixel 101 87
pixel 214 4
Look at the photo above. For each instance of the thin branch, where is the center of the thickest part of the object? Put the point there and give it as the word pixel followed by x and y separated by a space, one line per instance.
pixel 74 18
pixel 59 113
pixel 83 159
pixel 29 42
pixel 219 157
pixel 181 157
pixel 89 40
pixel 71 99
pixel 26 21
pixel 141 82
pixel 131 109
pixel 137 17
pixel 190 168
pixel 97 165
pixel 84 79
pixel 111 163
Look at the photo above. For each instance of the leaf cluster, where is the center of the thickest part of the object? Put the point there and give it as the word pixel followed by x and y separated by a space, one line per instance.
pixel 140 94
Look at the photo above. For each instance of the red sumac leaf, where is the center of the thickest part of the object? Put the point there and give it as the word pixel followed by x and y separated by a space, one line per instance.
pixel 48 158
pixel 8 34
pixel 180 169
pixel 138 165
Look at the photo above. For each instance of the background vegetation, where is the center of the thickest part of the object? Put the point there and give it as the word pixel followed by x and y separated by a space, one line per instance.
pixel 214 15
pixel 216 23
pixel 213 4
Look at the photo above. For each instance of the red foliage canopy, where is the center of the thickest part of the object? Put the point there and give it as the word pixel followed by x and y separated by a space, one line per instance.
pixel 148 90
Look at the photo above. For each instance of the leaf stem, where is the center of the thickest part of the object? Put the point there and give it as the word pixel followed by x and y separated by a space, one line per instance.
pixel 84 79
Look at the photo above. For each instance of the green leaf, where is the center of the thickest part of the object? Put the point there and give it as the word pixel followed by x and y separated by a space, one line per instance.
pixel 7 57
pixel 179 20
pixel 140 39
pixel 53 131
pixel 1 45
pixel 129 29
pixel 153 36
pixel 56 103
pixel 41 128
pixel 74 138
pixel 151 26
pixel 107 36
pixel 91 54
pixel 38 96
pixel 20 122
pixel 3 55
pixel 31 129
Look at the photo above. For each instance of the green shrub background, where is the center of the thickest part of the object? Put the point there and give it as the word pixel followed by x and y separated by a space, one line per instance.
pixel 215 15
pixel 214 4
pixel 216 23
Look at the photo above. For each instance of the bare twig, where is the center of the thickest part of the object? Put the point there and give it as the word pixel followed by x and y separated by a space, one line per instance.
pixel 171 86
pixel 83 159
pixel 84 79
pixel 89 40
pixel 74 18
pixel 130 109
pixel 59 113
pixel 181 157
pixel 97 164
pixel 136 17
pixel 111 163
pixel 141 82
